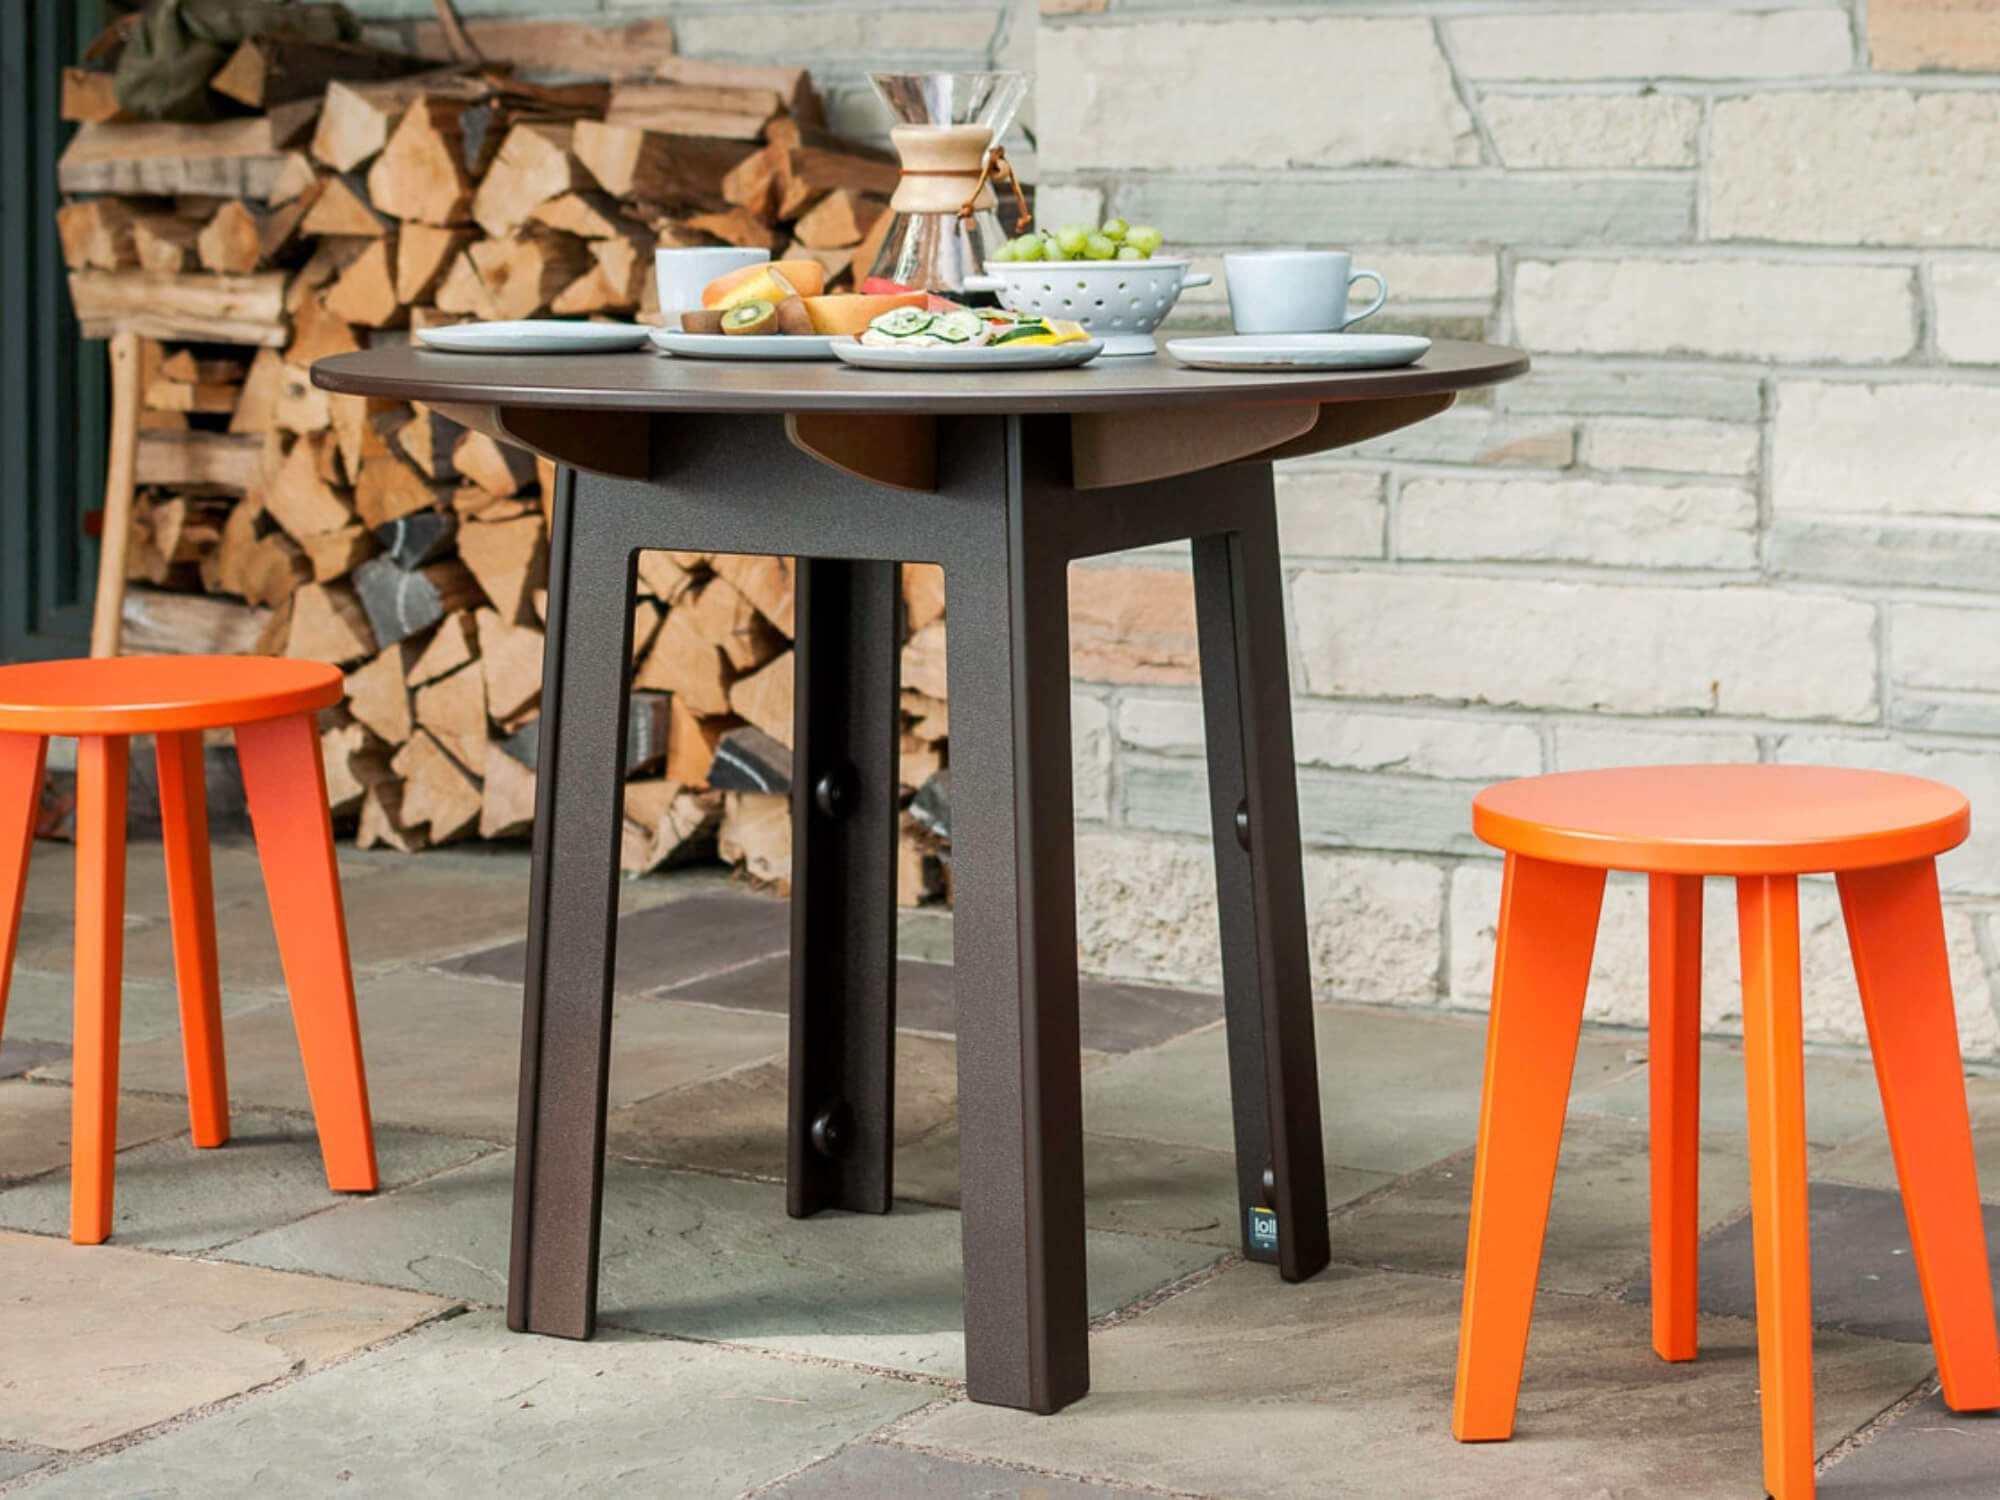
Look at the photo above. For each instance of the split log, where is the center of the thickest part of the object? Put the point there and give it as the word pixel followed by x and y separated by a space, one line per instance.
pixel 227 159
pixel 663 578
pixel 507 798
pixel 99 233
pixel 335 554
pixel 524 273
pixel 90 97
pixel 273 572
pixel 421 175
pixel 175 395
pixel 765 697
pixel 839 221
pixel 424 252
pixel 224 460
pixel 687 664
pixel 461 290
pixel 792 85
pixel 512 655
pixel 422 536
pixel 379 698
pixel 924 660
pixel 298 181
pixel 756 833
pixel 767 582
pixel 721 111
pixel 666 824
pixel 387 487
pixel 453 709
pixel 692 741
pixel 534 165
pixel 366 292
pixel 670 170
pixel 359 425
pixel 299 499
pixel 398 605
pixel 302 406
pixel 496 467
pixel 589 215
pixel 720 612
pixel 229 243
pixel 163 243
pixel 749 760
pixel 455 644
pixel 357 119
pixel 190 308
pixel 582 47
pixel 438 793
pixel 381 820
pixel 510 559
pixel 426 440
pixel 646 720
pixel 185 365
pixel 268 70
pixel 737 226
pixel 342 208
pixel 328 624
pixel 923 595
pixel 318 334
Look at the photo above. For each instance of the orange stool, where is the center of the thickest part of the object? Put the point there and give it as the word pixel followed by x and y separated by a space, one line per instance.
pixel 1765 826
pixel 271 704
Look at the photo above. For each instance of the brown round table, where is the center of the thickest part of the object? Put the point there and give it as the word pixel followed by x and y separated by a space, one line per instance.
pixel 1003 479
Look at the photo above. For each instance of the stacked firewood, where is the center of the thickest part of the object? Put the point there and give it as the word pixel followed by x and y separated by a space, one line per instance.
pixel 373 195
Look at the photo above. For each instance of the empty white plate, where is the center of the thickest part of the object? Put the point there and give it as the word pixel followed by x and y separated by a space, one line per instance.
pixel 534 336
pixel 968 357
pixel 1301 351
pixel 742 345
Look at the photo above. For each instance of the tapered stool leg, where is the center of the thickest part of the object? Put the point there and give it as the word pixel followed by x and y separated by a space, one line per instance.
pixel 284 781
pixel 1767 920
pixel 572 921
pixel 1548 929
pixel 1020 1098
pixel 1674 1080
pixel 101 763
pixel 1266 978
pixel 1895 926
pixel 21 760
pixel 191 905
pixel 846 735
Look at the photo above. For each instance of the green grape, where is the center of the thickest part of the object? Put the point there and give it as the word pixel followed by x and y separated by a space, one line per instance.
pixel 1099 247
pixel 1114 229
pixel 1130 252
pixel 1003 251
pixel 1071 239
pixel 1145 237
pixel 1027 247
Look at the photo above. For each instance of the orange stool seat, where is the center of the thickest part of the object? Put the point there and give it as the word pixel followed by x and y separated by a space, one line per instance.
pixel 1765 826
pixel 271 704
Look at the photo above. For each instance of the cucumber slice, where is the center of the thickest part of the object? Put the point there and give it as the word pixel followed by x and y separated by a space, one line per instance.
pixel 904 322
pixel 1034 330
pixel 959 328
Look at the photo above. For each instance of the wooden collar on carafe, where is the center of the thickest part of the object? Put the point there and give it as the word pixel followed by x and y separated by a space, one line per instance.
pixel 944 168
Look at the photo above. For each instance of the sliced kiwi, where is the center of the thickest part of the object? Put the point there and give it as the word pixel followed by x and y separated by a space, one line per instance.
pixel 701 320
pixel 751 317
pixel 793 317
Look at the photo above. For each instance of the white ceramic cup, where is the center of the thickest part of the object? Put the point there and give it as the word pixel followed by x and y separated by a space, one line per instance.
pixel 1295 291
pixel 682 273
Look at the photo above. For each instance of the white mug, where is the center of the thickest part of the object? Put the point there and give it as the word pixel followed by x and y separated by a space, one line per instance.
pixel 682 273
pixel 1295 291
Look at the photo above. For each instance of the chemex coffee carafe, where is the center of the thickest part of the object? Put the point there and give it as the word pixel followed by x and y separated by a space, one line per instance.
pixel 947 135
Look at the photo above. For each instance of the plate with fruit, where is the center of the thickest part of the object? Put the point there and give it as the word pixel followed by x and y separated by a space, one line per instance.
pixel 966 338
pixel 1111 279
pixel 773 310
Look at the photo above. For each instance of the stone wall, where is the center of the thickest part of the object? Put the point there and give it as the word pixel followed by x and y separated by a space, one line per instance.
pixel 1746 508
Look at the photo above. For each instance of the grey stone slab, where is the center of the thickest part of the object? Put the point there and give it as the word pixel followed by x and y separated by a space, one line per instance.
pixel 234 871
pixel 1340 1389
pixel 708 1258
pixel 444 1054
pixel 14 1465
pixel 42 1008
pixel 18 1056
pixel 35 1121
pixel 1863 1278
pixel 1945 554
pixel 664 945
pixel 872 1469
pixel 1398 1090
pixel 170 1196
pixel 101 1341
pixel 1866 1160
pixel 926 933
pixel 1135 1187
pixel 1598 1218
pixel 1842 1101
pixel 1115 1017
pixel 1421 208
pixel 467 1408
pixel 736 1123
pixel 1928 1453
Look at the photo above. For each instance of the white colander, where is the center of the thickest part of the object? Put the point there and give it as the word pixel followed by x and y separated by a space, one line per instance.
pixel 1118 301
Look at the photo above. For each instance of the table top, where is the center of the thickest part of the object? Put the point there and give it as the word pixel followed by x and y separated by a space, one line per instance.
pixel 649 381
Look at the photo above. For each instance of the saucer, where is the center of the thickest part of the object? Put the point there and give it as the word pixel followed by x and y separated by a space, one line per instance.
pixel 1301 351
pixel 534 336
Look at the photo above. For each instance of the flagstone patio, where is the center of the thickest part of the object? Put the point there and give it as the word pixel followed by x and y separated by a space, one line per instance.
pixel 245 1333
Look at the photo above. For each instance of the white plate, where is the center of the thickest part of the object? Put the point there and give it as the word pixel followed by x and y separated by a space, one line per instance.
pixel 742 345
pixel 977 357
pixel 534 336
pixel 1301 351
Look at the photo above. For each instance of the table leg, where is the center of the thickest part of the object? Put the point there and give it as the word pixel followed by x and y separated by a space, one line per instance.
pixel 572 917
pixel 1014 886
pixel 1267 984
pixel 846 730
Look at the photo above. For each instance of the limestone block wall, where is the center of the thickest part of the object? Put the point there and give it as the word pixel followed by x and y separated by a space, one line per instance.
pixel 1746 508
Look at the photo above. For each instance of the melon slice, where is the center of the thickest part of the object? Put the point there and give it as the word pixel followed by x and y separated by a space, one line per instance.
pixel 848 314
pixel 806 277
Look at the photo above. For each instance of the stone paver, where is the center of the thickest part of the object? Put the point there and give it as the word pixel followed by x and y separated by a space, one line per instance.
pixel 1137 1187
pixel 1597 1234
pixel 170 1196
pixel 1397 1092
pixel 234 871
pixel 1841 1099
pixel 1866 1160
pixel 14 1465
pixel 707 1258
pixel 736 1123
pixel 1928 1453
pixel 42 1007
pixel 96 1341
pixel 18 1057
pixel 35 1120
pixel 873 1469
pixel 662 945
pixel 1863 1278
pixel 444 1053
pixel 1340 1389
pixel 467 1408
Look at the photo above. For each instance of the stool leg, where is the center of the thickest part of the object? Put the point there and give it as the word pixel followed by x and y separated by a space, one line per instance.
pixel 1541 968
pixel 846 730
pixel 21 759
pixel 1767 920
pixel 1674 1077
pixel 284 781
pixel 1895 925
pixel 191 905
pixel 1254 814
pixel 100 960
